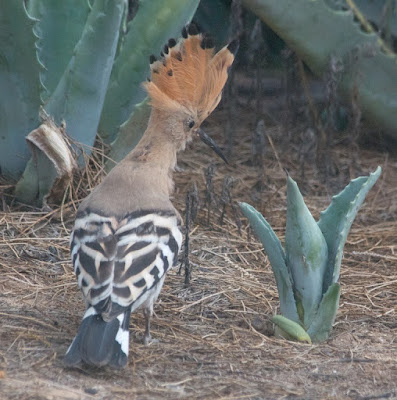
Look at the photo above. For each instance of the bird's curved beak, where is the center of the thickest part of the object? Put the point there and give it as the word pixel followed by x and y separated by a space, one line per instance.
pixel 211 143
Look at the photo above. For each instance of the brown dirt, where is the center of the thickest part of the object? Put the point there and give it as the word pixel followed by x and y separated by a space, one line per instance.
pixel 215 338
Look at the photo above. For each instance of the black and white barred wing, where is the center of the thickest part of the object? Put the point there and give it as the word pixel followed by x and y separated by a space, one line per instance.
pixel 121 262
pixel 93 249
pixel 147 247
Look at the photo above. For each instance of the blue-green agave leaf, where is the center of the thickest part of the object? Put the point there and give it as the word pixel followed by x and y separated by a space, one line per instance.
pixel 306 254
pixel 374 11
pixel 28 186
pixel 214 16
pixel 123 28
pixel 59 28
pixel 322 323
pixel 51 167
pixel 20 86
pixel 336 220
pixel 129 135
pixel 37 179
pixel 79 96
pixel 276 256
pixel 317 33
pixel 154 23
pixel 291 330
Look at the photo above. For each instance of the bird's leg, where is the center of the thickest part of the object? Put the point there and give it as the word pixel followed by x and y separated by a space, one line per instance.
pixel 147 337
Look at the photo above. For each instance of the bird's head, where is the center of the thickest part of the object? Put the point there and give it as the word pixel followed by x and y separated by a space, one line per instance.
pixel 186 84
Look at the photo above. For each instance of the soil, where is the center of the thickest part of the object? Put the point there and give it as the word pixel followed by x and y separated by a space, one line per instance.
pixel 215 336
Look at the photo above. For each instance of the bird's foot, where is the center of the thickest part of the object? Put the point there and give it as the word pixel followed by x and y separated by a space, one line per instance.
pixel 147 339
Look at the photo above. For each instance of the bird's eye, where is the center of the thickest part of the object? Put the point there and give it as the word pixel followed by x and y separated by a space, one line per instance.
pixel 190 124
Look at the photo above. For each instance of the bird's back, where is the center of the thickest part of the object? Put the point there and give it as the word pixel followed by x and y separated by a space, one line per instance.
pixel 126 237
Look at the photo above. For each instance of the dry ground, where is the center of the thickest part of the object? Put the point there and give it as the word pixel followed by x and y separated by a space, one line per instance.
pixel 215 338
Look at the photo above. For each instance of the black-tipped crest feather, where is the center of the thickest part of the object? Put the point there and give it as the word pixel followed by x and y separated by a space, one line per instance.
pixel 171 43
pixel 233 46
pixel 197 76
pixel 193 29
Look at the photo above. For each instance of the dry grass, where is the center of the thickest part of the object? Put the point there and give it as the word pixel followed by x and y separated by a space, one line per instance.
pixel 215 335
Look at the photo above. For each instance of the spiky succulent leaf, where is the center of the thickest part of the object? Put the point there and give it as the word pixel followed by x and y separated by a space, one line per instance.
pixel 46 175
pixel 276 256
pixel 79 96
pixel 336 220
pixel 380 12
pixel 28 186
pixel 155 22
pixel 315 32
pixel 129 135
pixel 51 166
pixel 20 86
pixel 59 28
pixel 322 323
pixel 123 28
pixel 291 329
pixel 36 179
pixel 214 16
pixel 306 253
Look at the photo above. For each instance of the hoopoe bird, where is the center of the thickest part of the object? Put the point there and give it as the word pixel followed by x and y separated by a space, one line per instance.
pixel 127 233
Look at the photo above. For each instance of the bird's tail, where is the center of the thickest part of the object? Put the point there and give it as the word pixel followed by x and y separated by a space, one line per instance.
pixel 100 343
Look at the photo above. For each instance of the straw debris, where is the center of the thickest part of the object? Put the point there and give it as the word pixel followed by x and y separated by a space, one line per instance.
pixel 215 336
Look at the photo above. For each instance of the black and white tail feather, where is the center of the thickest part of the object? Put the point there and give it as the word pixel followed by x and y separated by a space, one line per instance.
pixel 120 265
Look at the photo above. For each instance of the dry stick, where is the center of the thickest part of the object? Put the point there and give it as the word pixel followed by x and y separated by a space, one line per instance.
pixel 332 82
pixel 194 206
pixel 317 123
pixel 258 153
pixel 230 93
pixel 191 213
pixel 227 198
pixel 186 261
pixel 209 174
pixel 354 133
pixel 31 319
pixel 229 128
pixel 69 187
pixel 275 152
pixel 46 217
pixel 258 146
pixel 310 101
pixel 382 181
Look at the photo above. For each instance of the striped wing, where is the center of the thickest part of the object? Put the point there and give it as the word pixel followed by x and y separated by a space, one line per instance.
pixel 118 263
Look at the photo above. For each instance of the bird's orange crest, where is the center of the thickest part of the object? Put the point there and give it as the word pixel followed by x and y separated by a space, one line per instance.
pixel 190 75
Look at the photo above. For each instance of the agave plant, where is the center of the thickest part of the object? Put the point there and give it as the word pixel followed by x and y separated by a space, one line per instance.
pixel 317 32
pixel 307 272
pixel 79 64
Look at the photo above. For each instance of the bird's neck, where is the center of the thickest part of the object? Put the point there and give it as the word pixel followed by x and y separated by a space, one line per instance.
pixel 156 151
pixel 157 146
